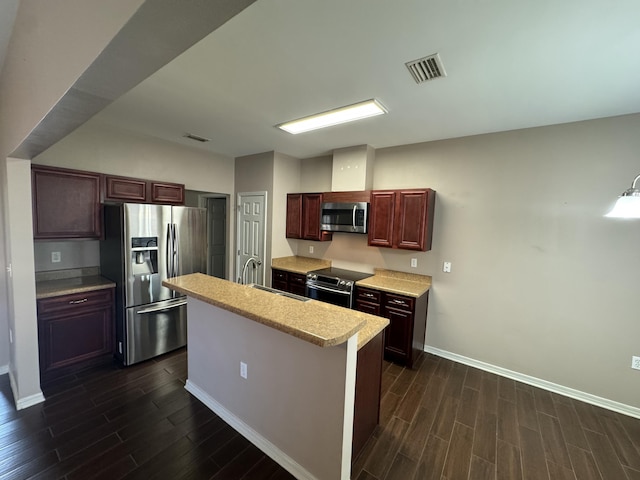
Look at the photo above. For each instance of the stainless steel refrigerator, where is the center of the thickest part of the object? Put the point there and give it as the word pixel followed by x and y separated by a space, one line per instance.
pixel 143 245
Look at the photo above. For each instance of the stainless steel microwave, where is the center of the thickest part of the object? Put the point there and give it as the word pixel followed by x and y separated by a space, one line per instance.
pixel 349 217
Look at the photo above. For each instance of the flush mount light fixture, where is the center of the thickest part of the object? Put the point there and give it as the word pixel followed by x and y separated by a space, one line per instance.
pixel 628 204
pixel 357 111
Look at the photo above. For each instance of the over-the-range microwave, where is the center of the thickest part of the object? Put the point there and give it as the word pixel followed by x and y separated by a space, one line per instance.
pixel 349 217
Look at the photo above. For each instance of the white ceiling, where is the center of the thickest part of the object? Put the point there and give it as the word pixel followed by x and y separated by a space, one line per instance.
pixel 510 64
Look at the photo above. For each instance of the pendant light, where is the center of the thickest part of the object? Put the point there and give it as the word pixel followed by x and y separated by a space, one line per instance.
pixel 628 204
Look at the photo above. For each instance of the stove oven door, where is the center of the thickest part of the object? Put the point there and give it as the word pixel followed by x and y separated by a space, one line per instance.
pixel 342 298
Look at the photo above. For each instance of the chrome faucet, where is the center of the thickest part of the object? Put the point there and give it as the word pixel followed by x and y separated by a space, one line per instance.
pixel 256 263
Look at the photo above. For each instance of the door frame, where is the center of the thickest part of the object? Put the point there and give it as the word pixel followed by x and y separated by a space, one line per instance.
pixel 238 243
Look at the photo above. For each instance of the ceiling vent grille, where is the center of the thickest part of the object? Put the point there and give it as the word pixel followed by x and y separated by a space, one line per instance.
pixel 427 68
pixel 197 138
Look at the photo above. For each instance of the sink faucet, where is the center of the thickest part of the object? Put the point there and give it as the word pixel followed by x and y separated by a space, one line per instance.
pixel 256 263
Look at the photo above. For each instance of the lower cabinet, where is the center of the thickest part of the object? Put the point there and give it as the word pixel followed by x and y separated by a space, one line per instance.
pixel 405 336
pixel 288 281
pixel 75 331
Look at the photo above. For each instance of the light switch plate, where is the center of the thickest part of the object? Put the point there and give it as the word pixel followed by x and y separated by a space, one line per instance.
pixel 446 267
pixel 56 257
pixel 414 263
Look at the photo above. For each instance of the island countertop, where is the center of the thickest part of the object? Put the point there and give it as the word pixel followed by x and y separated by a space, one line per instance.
pixel 316 322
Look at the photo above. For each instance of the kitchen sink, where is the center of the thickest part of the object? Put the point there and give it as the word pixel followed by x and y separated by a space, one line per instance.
pixel 279 292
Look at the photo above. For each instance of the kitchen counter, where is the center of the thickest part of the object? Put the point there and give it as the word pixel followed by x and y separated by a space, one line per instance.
pixel 409 284
pixel 316 322
pixel 298 264
pixel 66 286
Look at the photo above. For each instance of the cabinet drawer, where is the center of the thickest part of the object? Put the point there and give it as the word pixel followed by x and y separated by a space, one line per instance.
pixel 366 307
pixel 367 295
pixel 399 301
pixel 279 276
pixel 75 300
pixel 297 279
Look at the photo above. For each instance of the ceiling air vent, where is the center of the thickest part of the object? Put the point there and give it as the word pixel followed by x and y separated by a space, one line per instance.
pixel 427 68
pixel 197 138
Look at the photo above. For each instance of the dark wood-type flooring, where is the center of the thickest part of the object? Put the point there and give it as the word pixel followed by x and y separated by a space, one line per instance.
pixel 441 420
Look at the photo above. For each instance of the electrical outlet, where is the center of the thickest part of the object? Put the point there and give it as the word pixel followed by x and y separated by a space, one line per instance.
pixel 243 370
pixel 635 363
pixel 446 267
pixel 414 263
pixel 310 248
pixel 56 257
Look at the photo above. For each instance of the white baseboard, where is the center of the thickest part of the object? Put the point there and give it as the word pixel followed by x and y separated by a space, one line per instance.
pixel 24 402
pixel 4 369
pixel 537 382
pixel 281 458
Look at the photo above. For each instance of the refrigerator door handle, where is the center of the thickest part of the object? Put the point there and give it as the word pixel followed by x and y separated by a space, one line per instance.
pixel 176 249
pixel 168 253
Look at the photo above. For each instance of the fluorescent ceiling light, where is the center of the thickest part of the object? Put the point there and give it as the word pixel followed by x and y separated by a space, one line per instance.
pixel 628 204
pixel 357 111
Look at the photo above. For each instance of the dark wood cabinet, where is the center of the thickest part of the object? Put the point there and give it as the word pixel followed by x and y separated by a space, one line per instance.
pixel 294 215
pixel 405 336
pixel 402 219
pixel 288 281
pixel 75 331
pixel 124 189
pixel 303 217
pixel 66 203
pixel 167 193
pixel 127 189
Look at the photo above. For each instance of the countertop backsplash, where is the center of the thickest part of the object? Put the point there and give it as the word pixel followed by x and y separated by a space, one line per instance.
pixel 73 254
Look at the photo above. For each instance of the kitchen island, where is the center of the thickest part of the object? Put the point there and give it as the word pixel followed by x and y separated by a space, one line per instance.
pixel 282 371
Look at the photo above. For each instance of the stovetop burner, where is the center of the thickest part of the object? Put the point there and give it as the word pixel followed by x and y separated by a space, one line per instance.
pixel 340 274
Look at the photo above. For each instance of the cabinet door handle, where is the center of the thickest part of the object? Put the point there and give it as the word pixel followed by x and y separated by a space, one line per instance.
pixel 74 302
pixel 398 302
pixel 368 295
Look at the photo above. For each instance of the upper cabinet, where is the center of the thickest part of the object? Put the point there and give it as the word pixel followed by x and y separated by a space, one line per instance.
pixel 126 189
pixel 66 203
pixel 303 217
pixel 402 218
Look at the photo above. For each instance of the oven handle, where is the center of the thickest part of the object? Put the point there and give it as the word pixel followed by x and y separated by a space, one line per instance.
pixel 327 289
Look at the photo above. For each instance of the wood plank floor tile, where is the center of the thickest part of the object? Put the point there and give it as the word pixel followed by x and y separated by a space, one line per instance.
pixel 484 441
pixel 508 422
pixel 571 426
pixel 534 464
pixel 402 468
pixel 584 465
pixel 604 455
pixel 431 464
pixel 480 469
pixel 526 409
pixel 440 420
pixel 459 455
pixel 508 461
pixel 555 450
pixel 507 389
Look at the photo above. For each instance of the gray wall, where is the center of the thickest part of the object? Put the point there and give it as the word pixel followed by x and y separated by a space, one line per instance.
pixel 541 283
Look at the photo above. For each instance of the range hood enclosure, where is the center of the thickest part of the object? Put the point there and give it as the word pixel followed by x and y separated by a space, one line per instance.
pixel 353 168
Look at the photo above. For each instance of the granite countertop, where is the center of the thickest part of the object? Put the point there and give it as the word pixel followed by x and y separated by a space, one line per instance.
pixel 298 264
pixel 409 284
pixel 66 286
pixel 316 322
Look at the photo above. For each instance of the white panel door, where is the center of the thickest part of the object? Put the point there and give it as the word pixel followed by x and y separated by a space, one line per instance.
pixel 251 237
